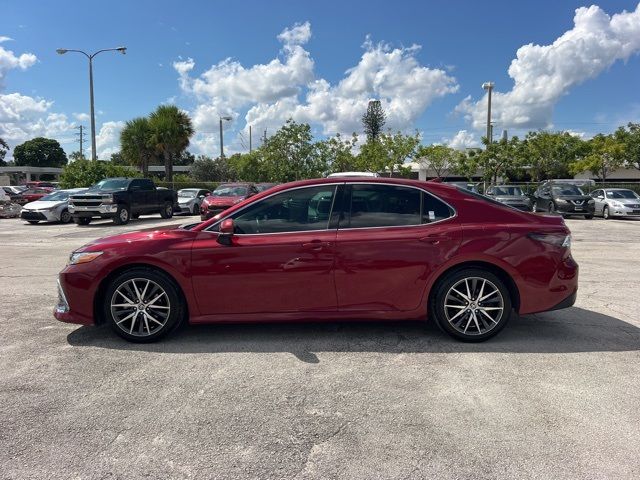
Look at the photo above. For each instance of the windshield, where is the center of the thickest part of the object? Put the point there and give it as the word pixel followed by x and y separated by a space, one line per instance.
pixel 56 197
pixel 110 184
pixel 621 194
pixel 187 193
pixel 230 191
pixel 566 190
pixel 507 190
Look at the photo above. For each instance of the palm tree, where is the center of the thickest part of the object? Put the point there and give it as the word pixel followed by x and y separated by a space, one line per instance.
pixel 170 133
pixel 135 143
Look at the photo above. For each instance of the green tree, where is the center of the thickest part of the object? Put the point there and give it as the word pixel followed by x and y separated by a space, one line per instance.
pixel 136 145
pixel 606 153
pixel 40 152
pixel 465 163
pixel 84 173
pixel 290 154
pixel 338 153
pixel 76 156
pixel 206 169
pixel 388 153
pixel 373 120
pixel 185 158
pixel 630 138
pixel 4 149
pixel 171 130
pixel 438 158
pixel 549 154
pixel 117 158
pixel 498 158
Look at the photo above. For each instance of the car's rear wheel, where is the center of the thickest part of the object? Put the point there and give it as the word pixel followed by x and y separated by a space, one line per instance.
pixel 82 220
pixel 471 305
pixel 65 216
pixel 122 215
pixel 588 217
pixel 605 213
pixel 534 208
pixel 142 305
pixel 167 210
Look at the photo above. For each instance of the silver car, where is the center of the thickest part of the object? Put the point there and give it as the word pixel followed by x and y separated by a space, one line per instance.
pixel 50 208
pixel 190 199
pixel 511 195
pixel 616 202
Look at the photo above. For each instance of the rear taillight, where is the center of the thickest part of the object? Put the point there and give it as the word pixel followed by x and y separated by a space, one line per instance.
pixel 558 240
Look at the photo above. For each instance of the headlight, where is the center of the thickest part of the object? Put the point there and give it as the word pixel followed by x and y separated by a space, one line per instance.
pixel 107 199
pixel 616 204
pixel 561 200
pixel 77 258
pixel 591 201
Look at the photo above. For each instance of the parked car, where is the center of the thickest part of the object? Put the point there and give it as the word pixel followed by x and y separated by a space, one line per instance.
pixel 511 195
pixel 121 199
pixel 563 198
pixel 41 184
pixel 13 191
pixel 32 194
pixel 472 187
pixel 225 196
pixel 50 208
pixel 616 202
pixel 261 187
pixel 329 249
pixel 190 199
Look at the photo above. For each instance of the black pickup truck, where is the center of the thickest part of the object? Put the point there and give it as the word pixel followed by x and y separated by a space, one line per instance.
pixel 121 199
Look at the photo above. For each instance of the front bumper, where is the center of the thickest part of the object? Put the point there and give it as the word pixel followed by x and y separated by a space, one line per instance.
pixel 572 209
pixel 39 215
pixel 75 302
pixel 103 210
pixel 624 212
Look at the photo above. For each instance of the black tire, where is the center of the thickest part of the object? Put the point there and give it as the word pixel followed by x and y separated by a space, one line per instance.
pixel 167 210
pixel 33 222
pixel 123 215
pixel 588 217
pixel 112 315
pixel 135 216
pixel 82 220
pixel 552 207
pixel 446 320
pixel 605 213
pixel 65 216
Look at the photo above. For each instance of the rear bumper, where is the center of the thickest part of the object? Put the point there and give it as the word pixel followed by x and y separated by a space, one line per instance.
pixel 566 303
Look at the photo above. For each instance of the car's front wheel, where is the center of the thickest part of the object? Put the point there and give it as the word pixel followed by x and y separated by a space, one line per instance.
pixel 142 305
pixel 123 215
pixel 65 216
pixel 605 213
pixel 167 210
pixel 471 305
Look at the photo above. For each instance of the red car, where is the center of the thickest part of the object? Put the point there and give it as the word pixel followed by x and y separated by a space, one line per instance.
pixel 225 196
pixel 329 249
pixel 33 194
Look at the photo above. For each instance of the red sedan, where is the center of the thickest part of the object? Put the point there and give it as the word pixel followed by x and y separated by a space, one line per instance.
pixel 225 196
pixel 32 194
pixel 330 249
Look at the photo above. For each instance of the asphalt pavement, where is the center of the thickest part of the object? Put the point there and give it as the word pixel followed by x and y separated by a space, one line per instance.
pixel 555 395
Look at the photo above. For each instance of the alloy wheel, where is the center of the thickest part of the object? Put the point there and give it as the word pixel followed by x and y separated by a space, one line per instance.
pixel 124 215
pixel 605 213
pixel 474 306
pixel 140 307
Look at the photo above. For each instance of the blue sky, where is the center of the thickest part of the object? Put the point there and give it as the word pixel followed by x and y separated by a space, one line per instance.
pixel 462 44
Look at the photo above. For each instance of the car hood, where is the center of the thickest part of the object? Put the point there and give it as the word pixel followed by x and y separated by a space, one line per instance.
pixel 573 197
pixel 626 201
pixel 512 198
pixel 211 200
pixel 185 199
pixel 151 234
pixel 42 205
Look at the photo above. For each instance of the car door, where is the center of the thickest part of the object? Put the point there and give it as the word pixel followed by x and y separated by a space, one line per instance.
pixel 389 241
pixel 598 196
pixel 138 197
pixel 280 259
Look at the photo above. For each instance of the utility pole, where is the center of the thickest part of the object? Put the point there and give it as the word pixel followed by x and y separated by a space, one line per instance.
pixel 489 87
pixel 81 138
pixel 250 146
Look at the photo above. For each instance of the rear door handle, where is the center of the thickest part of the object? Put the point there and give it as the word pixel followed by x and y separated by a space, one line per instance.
pixel 435 239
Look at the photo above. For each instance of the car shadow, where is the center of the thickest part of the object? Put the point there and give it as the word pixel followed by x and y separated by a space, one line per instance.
pixel 107 222
pixel 572 330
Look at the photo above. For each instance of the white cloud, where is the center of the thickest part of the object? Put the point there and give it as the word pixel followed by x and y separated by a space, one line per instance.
pixel 543 74
pixel 108 139
pixel 5 39
pixel 299 34
pixel 462 140
pixel 9 61
pixel 268 94
pixel 82 117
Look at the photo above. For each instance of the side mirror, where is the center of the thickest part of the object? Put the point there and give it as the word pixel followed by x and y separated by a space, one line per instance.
pixel 226 232
pixel 201 197
pixel 207 194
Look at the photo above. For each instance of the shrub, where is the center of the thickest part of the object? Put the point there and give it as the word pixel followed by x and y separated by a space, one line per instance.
pixel 84 173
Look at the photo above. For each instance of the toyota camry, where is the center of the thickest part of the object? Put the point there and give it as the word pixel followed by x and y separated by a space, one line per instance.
pixel 329 249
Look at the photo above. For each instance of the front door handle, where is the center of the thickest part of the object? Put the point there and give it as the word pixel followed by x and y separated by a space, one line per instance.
pixel 315 245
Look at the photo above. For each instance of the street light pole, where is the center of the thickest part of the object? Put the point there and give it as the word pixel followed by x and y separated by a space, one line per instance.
pixel 62 51
pixel 227 118
pixel 489 87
